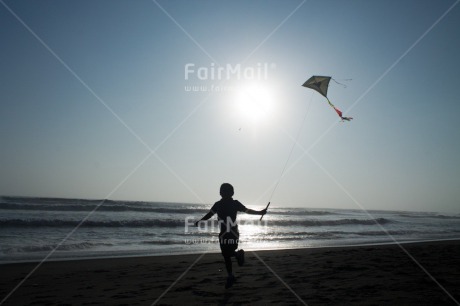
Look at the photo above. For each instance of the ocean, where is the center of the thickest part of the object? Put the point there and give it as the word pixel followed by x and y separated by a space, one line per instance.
pixel 32 229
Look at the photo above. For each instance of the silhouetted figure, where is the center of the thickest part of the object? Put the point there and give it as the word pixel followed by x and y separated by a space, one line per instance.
pixel 226 210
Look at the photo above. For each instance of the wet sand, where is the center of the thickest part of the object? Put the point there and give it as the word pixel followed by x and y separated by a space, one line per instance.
pixel 361 275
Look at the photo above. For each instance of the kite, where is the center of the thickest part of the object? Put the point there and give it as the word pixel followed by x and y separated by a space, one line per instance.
pixel 320 84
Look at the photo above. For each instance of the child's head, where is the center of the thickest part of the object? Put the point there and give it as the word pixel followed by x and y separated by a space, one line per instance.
pixel 226 191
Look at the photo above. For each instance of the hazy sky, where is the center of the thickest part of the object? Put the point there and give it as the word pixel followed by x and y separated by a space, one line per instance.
pixel 97 101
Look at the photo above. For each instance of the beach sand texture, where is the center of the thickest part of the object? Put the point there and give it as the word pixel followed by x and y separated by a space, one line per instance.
pixel 362 275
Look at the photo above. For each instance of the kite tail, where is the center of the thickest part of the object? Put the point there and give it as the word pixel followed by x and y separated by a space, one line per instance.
pixel 330 103
pixel 339 112
pixel 342 117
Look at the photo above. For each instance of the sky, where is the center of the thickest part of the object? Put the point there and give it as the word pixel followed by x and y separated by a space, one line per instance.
pixel 166 100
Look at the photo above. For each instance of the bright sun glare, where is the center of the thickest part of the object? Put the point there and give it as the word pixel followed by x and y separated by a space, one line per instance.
pixel 255 102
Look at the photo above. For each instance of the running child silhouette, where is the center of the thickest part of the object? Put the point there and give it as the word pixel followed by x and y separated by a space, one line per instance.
pixel 226 210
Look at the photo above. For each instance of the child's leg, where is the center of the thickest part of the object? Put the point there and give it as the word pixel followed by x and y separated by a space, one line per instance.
pixel 227 252
pixel 228 264
pixel 228 246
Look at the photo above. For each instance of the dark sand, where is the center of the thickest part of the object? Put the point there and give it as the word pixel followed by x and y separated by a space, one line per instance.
pixel 366 275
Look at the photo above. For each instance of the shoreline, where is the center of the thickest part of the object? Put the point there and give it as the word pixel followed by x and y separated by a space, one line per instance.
pixel 121 256
pixel 357 275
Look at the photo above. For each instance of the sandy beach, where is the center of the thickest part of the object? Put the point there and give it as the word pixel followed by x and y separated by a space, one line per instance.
pixel 364 275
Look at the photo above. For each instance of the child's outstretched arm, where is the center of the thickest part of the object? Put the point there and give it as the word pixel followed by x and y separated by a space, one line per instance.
pixel 206 217
pixel 256 212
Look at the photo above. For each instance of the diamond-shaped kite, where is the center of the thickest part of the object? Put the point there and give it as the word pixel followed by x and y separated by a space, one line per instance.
pixel 321 84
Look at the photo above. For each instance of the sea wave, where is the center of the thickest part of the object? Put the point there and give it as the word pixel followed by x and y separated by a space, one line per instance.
pixel 112 206
pixel 65 205
pixel 337 222
pixel 161 242
pixel 427 215
pixel 73 223
pixel 39 200
pixel 180 222
pixel 50 247
pixel 346 233
pixel 102 207
pixel 302 212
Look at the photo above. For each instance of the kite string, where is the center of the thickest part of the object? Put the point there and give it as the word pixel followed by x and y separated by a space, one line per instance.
pixel 292 148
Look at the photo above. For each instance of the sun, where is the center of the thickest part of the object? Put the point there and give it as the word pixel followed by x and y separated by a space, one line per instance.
pixel 255 102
